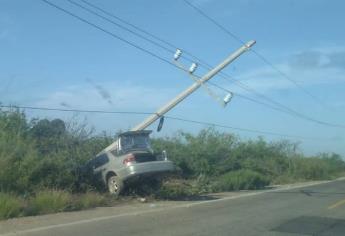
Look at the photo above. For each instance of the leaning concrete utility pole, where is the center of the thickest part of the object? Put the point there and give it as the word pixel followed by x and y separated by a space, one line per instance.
pixel 151 119
pixel 192 88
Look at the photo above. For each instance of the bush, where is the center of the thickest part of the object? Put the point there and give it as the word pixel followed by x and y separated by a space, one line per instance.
pixel 198 154
pixel 240 180
pixel 49 201
pixel 10 206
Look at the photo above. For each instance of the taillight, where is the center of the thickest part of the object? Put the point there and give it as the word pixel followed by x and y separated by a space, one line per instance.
pixel 129 159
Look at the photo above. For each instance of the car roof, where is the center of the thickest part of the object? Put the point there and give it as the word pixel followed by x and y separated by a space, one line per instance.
pixel 147 132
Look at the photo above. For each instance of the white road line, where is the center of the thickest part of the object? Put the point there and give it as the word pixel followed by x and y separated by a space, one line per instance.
pixel 289 187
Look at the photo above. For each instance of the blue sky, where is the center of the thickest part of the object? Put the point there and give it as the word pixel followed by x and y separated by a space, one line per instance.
pixel 50 59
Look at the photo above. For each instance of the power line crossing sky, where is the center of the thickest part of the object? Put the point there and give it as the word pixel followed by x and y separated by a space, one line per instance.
pixel 48 59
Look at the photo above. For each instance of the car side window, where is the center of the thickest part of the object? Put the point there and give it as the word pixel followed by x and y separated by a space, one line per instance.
pixel 114 152
pixel 100 160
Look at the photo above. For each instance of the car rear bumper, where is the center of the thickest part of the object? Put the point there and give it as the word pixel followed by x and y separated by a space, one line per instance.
pixel 151 167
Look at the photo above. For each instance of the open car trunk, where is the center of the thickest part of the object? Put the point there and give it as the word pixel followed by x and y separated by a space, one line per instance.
pixel 144 157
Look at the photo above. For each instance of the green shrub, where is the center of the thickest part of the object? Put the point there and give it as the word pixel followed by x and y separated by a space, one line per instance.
pixel 10 206
pixel 49 201
pixel 240 180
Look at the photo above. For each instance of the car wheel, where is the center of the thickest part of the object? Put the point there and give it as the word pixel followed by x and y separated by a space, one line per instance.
pixel 115 185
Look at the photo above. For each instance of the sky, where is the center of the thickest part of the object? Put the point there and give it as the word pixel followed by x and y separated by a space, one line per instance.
pixel 50 59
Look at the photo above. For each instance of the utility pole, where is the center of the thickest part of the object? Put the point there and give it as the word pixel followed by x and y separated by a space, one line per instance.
pixel 193 87
pixel 152 118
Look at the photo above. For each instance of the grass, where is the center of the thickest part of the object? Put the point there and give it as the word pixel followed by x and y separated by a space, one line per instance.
pixel 176 189
pixel 89 200
pixel 240 180
pixel 10 206
pixel 49 201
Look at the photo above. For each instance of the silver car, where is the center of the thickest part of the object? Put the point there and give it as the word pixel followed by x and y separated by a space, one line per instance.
pixel 131 157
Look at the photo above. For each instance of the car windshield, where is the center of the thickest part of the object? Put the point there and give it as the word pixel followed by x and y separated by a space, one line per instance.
pixel 135 142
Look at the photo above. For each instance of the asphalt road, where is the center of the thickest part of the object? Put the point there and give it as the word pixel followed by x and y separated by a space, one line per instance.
pixel 308 210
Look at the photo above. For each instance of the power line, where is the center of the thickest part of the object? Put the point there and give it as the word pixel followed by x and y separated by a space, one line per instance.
pixel 173 47
pixel 259 55
pixel 92 12
pixel 168 117
pixel 246 97
pixel 120 26
pixel 170 63
pixel 110 33
pixel 280 107
pixel 284 75
pixel 214 21
pixel 169 44
pixel 277 106
pixel 240 129
pixel 76 110
pixel 128 23
pixel 289 111
pixel 206 65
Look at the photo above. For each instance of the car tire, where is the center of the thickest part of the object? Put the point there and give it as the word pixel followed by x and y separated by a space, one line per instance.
pixel 115 185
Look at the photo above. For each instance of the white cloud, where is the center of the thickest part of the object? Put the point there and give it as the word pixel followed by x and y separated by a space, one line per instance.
pixel 307 68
